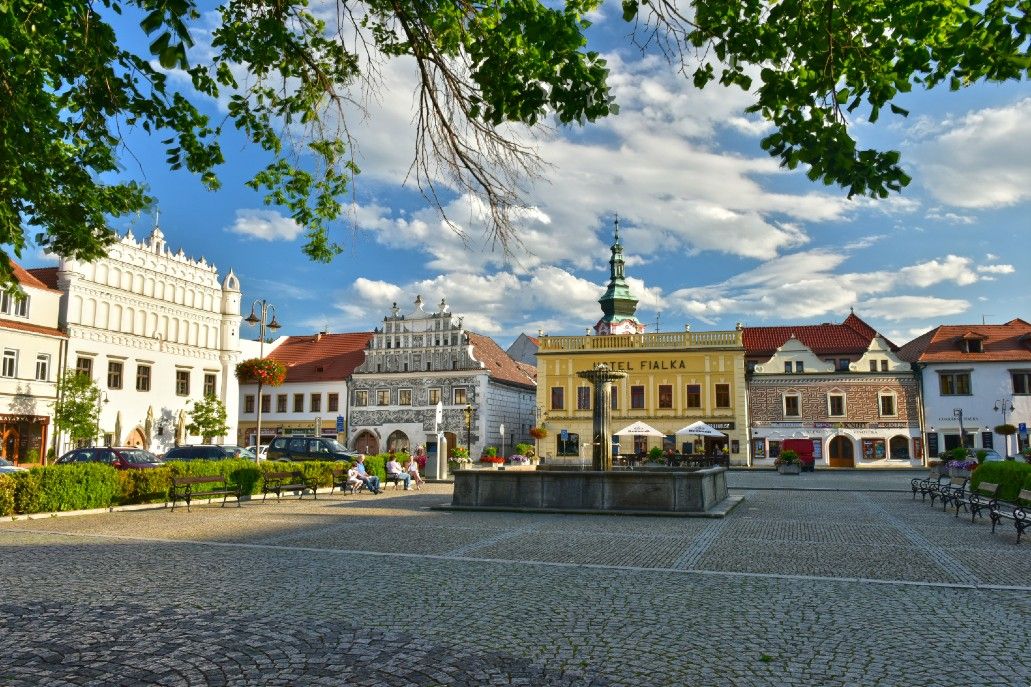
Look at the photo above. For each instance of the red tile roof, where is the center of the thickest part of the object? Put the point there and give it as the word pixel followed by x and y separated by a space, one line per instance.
pixel 322 357
pixel 33 277
pixel 500 364
pixel 27 327
pixel 851 337
pixel 529 370
pixel 946 344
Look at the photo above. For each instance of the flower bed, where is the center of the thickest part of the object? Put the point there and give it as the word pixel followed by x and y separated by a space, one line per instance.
pixel 492 460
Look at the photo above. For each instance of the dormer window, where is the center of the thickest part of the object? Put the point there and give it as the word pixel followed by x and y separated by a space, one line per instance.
pixel 974 346
pixel 799 367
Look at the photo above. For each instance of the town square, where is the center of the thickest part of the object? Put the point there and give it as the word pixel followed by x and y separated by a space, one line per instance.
pixel 518 342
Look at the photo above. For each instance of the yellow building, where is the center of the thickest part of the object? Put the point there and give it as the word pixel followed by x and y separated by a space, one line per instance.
pixel 673 379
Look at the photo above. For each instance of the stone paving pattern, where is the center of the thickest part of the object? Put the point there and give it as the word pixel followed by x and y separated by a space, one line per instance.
pixel 850 587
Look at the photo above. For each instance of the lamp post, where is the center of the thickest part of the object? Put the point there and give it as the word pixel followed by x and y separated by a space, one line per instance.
pixel 1005 407
pixel 101 400
pixel 501 431
pixel 263 322
pixel 538 414
pixel 468 411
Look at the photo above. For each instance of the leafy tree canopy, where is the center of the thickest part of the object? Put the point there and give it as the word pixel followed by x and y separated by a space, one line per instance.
pixel 208 418
pixel 77 408
pixel 292 74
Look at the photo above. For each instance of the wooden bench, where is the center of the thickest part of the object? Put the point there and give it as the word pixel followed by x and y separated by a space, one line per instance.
pixel 1019 512
pixel 278 482
pixel 927 485
pixel 954 490
pixel 977 500
pixel 185 489
pixel 340 479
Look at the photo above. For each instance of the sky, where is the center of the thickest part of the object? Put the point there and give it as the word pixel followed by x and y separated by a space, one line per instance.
pixel 715 233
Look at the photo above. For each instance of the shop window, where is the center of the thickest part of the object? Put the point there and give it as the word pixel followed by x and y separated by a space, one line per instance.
pixel 774 449
pixel 873 449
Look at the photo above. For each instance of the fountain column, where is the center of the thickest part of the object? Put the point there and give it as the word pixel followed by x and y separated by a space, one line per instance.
pixel 601 377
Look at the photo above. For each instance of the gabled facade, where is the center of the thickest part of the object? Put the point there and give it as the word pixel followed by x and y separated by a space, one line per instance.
pixel 841 387
pixel 313 399
pixel 32 347
pixel 524 349
pixel 421 358
pixel 971 375
pixel 156 330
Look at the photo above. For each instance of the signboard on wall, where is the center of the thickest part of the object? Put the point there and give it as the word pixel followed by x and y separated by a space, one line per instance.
pixel 932 444
pixel 987 440
pixel 817 449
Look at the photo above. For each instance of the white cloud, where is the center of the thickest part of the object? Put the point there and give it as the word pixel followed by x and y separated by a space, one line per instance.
pixel 952 268
pixel 979 160
pixel 937 215
pixel 996 269
pixel 268 225
pixel 911 307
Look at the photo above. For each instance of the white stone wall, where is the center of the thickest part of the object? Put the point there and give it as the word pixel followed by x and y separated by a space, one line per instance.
pixel 22 393
pixel 272 420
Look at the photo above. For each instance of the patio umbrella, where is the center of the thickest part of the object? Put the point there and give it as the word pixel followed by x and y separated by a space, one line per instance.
pixel 700 429
pixel 118 429
pixel 639 429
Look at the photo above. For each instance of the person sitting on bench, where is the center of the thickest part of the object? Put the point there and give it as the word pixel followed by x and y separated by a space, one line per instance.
pixel 396 472
pixel 371 481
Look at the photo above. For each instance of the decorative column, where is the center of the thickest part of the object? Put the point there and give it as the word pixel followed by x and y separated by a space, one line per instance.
pixel 602 377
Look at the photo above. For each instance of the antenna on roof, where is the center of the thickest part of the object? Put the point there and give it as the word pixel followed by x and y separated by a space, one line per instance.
pixel 983 320
pixel 656 322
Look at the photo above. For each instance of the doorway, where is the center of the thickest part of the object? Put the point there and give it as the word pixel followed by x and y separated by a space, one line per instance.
pixel 842 453
pixel 366 442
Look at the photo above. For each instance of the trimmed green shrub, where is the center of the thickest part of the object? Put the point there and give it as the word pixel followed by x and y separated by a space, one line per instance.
pixel 524 449
pixel 7 486
pixel 1010 475
pixel 66 487
pixel 149 485
pixel 377 464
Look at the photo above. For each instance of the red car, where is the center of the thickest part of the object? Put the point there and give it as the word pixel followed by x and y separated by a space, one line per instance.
pixel 121 458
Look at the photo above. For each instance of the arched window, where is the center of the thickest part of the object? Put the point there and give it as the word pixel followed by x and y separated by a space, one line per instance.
pixel 398 441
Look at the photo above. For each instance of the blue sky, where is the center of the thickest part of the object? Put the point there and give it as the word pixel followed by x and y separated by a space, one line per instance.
pixel 715 232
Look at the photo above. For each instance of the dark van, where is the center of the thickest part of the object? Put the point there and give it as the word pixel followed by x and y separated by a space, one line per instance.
pixel 308 448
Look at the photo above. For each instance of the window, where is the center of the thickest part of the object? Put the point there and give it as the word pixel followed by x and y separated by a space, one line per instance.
pixel 13 305
pixel 114 374
pixel 248 403
pixel 42 367
pixel 884 366
pixel 382 397
pixel 636 397
pixel 887 403
pixel 316 403
pixel 298 403
pixel 615 398
pixel 787 367
pixel 266 403
pixel 842 364
pixel 799 367
pixel 558 401
pixel 1021 382
pixel 281 403
pixel 182 382
pixel 459 396
pixel 954 383
pixel 974 346
pixel 434 395
pixel 722 395
pixel 84 366
pixel 361 397
pixel 143 378
pixel 583 398
pixel 333 402
pixel 665 395
pixel 694 396
pixel 792 406
pixel 209 384
pixel 404 397
pixel 873 366
pixel 10 368
pixel 569 447
pixel 836 405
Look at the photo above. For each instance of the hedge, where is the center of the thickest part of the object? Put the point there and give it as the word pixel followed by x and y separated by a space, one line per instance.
pixel 1010 475
pixel 95 485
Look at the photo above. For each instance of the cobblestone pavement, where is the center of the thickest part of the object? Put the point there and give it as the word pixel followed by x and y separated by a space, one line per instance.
pixel 792 588
pixel 868 479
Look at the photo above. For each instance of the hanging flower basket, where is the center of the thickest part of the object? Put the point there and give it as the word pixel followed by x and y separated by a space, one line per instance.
pixel 264 371
pixel 538 432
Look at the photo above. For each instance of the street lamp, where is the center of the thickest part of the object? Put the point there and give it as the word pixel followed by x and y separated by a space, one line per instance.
pixel 468 411
pixel 101 400
pixel 1005 407
pixel 263 322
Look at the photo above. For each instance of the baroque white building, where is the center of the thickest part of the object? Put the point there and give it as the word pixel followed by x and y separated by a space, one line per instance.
pixel 156 330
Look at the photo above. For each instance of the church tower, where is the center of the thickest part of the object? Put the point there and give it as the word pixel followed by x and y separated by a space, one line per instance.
pixel 618 304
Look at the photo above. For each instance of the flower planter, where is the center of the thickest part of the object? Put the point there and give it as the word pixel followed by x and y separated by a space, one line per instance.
pixel 956 472
pixel 790 469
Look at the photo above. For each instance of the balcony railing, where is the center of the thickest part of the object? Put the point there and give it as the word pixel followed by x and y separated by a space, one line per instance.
pixel 660 340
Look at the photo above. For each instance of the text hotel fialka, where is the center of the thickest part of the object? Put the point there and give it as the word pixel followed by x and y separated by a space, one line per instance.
pixel 666 388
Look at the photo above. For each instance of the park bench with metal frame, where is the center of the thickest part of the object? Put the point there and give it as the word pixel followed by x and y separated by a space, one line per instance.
pixel 185 489
pixel 1019 512
pixel 978 499
pixel 953 491
pixel 927 485
pixel 278 482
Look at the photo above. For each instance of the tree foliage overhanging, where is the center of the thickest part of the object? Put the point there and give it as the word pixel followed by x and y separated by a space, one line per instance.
pixel 69 92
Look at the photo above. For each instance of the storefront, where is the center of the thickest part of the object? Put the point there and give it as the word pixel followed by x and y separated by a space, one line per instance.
pixel 23 438
pixel 855 444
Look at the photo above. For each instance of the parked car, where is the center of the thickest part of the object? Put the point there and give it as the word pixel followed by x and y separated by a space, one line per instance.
pixel 991 455
pixel 262 452
pixel 240 452
pixel 120 457
pixel 203 452
pixel 7 467
pixel 308 448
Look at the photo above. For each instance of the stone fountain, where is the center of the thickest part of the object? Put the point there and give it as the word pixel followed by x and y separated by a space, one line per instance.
pixel 559 489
